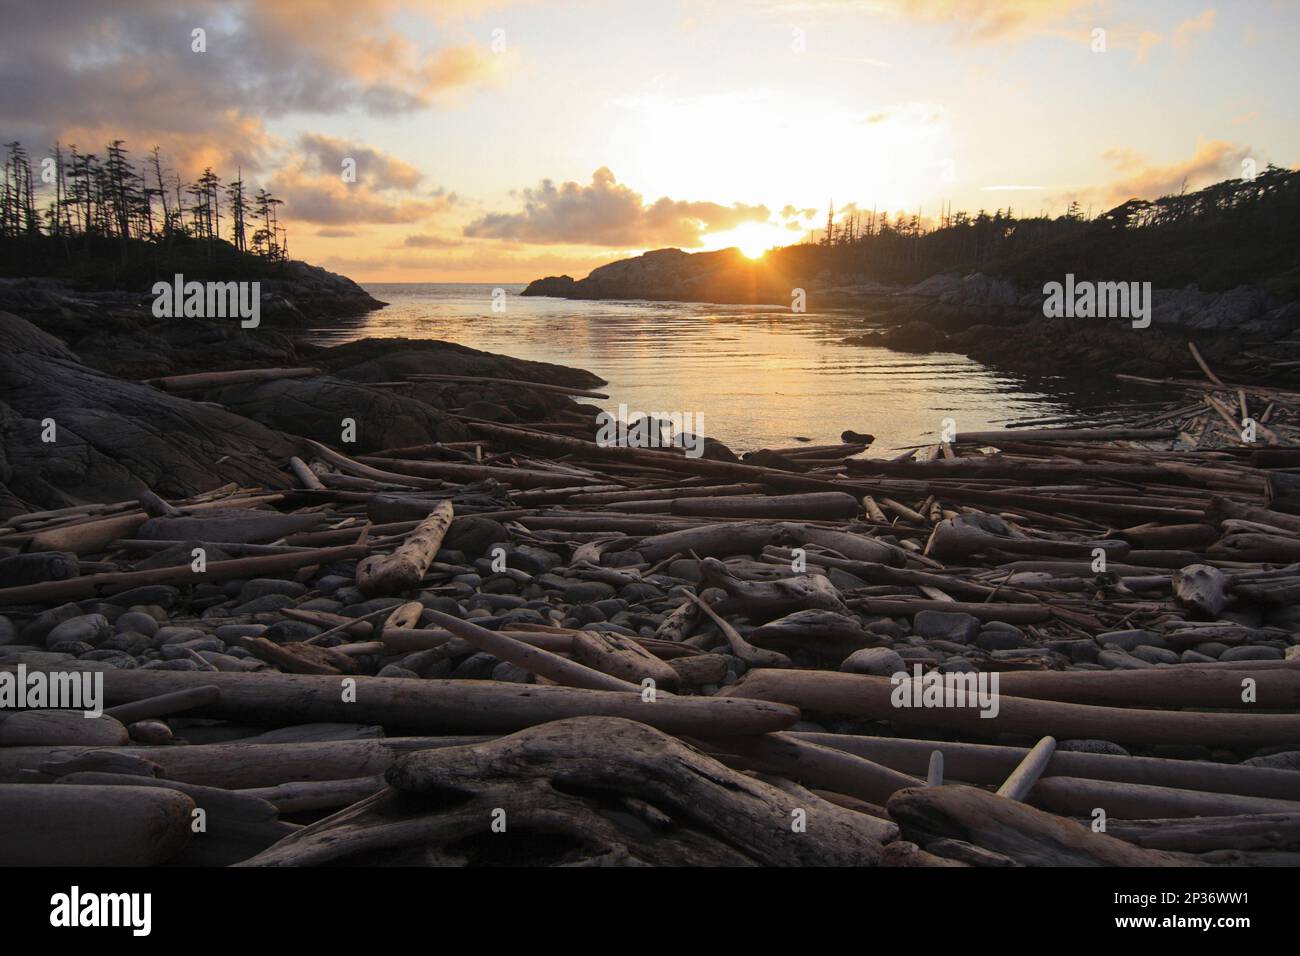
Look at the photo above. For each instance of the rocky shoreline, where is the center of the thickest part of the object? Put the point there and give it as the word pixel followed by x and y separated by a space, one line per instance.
pixel 983 317
pixel 473 635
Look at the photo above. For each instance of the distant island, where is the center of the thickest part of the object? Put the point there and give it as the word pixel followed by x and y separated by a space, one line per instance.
pixel 1223 261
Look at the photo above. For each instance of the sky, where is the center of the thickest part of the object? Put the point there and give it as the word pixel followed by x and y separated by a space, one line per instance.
pixel 504 141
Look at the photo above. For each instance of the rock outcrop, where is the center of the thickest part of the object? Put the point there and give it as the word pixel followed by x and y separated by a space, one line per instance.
pixel 673 275
pixel 113 439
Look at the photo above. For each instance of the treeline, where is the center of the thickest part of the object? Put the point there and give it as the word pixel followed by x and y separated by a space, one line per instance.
pixel 1233 232
pixel 82 196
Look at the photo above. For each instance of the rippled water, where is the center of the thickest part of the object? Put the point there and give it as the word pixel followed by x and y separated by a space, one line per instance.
pixel 761 376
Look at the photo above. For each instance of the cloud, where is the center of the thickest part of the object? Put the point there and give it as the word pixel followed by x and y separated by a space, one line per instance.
pixel 981 21
pixel 1138 178
pixel 606 213
pixel 1187 31
pixel 326 199
pixel 425 241
pixel 74 69
pixel 330 233
pixel 373 168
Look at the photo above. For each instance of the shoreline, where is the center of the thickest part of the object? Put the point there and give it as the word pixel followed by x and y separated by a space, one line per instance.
pixel 515 582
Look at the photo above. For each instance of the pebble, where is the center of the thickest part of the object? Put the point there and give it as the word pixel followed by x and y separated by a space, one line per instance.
pixel 950 626
pixel 1155 655
pixel 136 622
pixel 88 629
pixel 261 587
pixel 587 592
pixel 1127 640
pixel 878 661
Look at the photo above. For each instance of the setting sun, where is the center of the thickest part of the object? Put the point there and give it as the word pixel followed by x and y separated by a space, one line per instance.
pixel 752 239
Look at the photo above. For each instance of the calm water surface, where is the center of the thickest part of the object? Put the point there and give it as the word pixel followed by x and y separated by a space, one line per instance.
pixel 761 376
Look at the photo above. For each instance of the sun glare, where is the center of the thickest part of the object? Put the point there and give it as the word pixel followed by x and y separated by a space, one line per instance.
pixel 752 239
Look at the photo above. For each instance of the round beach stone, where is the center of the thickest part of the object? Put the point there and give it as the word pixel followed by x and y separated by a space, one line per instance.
pixel 588 592
pixel 1155 655
pixel 87 629
pixel 1003 638
pixel 137 622
pixel 949 626
pixel 878 661
pixel 1127 640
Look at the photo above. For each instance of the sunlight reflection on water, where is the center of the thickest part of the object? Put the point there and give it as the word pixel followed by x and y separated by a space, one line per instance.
pixel 761 376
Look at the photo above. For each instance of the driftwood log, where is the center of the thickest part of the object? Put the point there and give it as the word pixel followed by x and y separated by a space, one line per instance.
pixel 91 826
pixel 1025 834
pixel 404 569
pixel 584 791
pixel 442 706
pixel 865 696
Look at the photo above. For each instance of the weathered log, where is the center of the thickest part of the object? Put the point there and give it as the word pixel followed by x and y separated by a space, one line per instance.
pixel 593 497
pixel 300 796
pixel 165 705
pixel 98 533
pixel 934 772
pixel 530 658
pixel 692 809
pixel 404 569
pixel 825 634
pixel 443 706
pixel 988 764
pixel 747 652
pixel 1274 688
pixel 91 585
pixel 711 540
pixel 28 728
pixel 1075 796
pixel 1028 771
pixel 872 697
pixel 814 506
pixel 1201 588
pixel 297 657
pixel 1063 434
pixel 418 639
pixel 664 460
pixel 238 525
pixel 623 657
pixel 817 766
pixel 1248 831
pixel 700 670
pixel 230 766
pixel 458 471
pixel 91 826
pixel 1021 832
pixel 767 599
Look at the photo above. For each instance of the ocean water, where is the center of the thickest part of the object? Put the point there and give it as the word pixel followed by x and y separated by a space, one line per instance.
pixel 761 377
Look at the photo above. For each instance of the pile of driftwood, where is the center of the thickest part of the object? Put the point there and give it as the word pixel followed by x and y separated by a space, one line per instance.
pixel 532 648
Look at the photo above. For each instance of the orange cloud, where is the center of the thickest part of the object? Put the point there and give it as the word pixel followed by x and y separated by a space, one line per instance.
pixel 607 213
